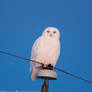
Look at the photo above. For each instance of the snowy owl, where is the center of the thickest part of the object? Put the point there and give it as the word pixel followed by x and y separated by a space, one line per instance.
pixel 45 50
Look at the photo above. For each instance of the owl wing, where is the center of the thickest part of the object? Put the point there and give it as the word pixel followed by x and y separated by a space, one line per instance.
pixel 35 48
pixel 35 67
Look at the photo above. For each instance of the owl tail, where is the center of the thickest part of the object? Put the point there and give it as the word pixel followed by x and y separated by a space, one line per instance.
pixel 34 71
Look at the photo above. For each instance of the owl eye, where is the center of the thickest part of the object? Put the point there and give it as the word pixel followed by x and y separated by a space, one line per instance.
pixel 54 32
pixel 48 31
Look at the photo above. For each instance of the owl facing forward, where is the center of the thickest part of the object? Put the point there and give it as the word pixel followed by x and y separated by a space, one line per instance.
pixel 46 50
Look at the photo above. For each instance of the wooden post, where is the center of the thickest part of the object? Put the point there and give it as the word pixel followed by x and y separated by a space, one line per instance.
pixel 45 85
pixel 46 75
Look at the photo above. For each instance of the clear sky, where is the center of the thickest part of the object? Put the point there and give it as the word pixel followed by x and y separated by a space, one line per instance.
pixel 22 21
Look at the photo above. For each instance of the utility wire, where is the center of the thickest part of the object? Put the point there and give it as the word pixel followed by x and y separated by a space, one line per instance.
pixel 73 75
pixel 10 54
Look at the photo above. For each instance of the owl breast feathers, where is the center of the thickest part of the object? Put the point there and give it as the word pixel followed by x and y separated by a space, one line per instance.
pixel 45 50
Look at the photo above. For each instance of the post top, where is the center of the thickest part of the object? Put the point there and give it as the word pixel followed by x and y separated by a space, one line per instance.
pixel 50 74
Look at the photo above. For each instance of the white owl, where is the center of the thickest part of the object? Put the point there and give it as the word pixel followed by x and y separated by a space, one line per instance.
pixel 45 50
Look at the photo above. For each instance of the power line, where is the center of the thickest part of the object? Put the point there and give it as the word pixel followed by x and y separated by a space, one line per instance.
pixel 10 54
pixel 73 75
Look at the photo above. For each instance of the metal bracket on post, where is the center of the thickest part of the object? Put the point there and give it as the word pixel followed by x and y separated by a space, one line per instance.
pixel 46 75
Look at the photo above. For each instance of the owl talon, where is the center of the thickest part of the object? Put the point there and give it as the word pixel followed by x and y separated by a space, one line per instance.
pixel 50 66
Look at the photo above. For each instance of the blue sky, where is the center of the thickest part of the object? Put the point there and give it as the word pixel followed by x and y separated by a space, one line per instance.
pixel 22 21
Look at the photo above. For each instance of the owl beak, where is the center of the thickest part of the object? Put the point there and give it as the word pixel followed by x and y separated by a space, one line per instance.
pixel 51 35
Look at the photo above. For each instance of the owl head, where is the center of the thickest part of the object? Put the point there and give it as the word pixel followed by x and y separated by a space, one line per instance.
pixel 51 32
